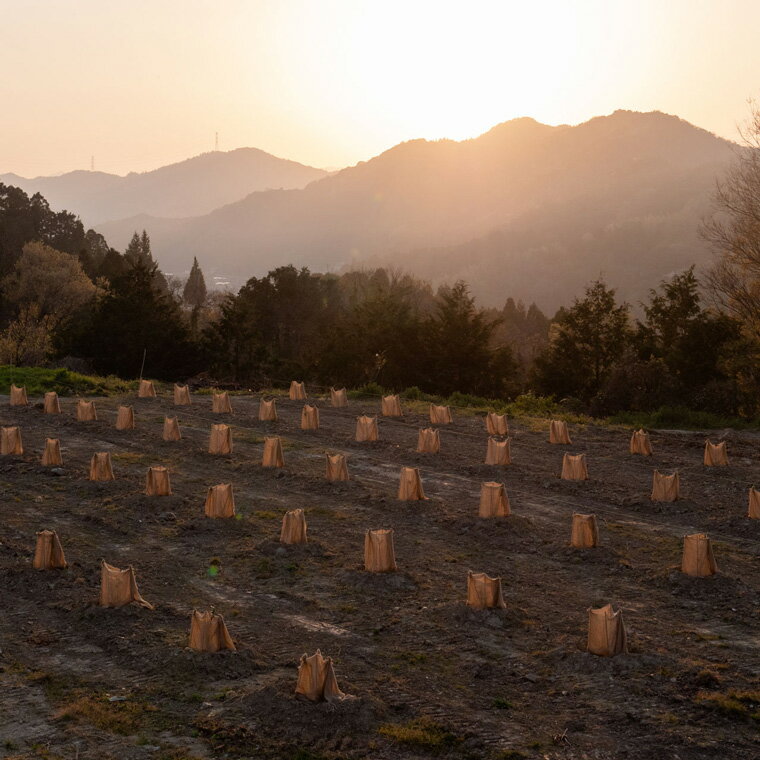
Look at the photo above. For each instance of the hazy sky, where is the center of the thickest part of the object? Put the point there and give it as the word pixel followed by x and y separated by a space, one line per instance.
pixel 142 83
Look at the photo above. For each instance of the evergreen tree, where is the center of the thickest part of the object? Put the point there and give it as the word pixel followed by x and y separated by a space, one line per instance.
pixel 194 293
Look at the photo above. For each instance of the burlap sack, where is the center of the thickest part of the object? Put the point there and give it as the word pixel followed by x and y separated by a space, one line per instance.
pixel 182 395
pixel 753 511
pixel 51 404
pixel 146 389
pixel 273 453
pixel 665 487
pixel 410 485
pixel 220 403
pixel 558 432
pixel 171 429
pixel 440 415
pixel 390 406
pixel 606 632
pixel 494 501
pixel 366 429
pixel 220 440
pixel 267 411
pixel 484 592
pixel 640 443
pixel 498 452
pixel 379 556
pixel 51 456
pixel 338 397
pixel 715 454
pixel 119 587
pixel 496 424
pixel 316 679
pixel 698 559
pixel 336 468
pixel 10 441
pixel 220 501
pixel 208 633
pixel 157 482
pixel 100 467
pixel 428 441
pixel 48 553
pixel 297 391
pixel 125 418
pixel 585 532
pixel 86 411
pixel 18 396
pixel 293 529
pixel 309 418
pixel 574 467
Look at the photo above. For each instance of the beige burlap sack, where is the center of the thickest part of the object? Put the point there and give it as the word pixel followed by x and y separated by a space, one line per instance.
pixel 146 389
pixel 220 403
pixel 10 441
pixel 585 532
pixel 220 440
pixel 366 429
pixel 171 429
pixel 100 467
pixel 498 452
pixel 220 501
pixel 125 418
pixel 297 391
pixel 157 482
pixel 640 443
pixel 309 418
pixel 338 397
pixel 410 485
pixel 558 432
pixel 293 529
pixel 316 679
pixel 390 406
pixel 494 501
pixel 484 592
pixel 182 395
pixel 51 456
pixel 697 558
pixel 574 467
pixel 51 404
pixel 665 487
pixel 18 396
pixel 753 510
pixel 267 411
pixel 119 587
pixel 496 424
pixel 379 556
pixel 428 441
pixel 48 553
pixel 208 633
pixel 440 415
pixel 86 411
pixel 715 454
pixel 606 632
pixel 272 456
pixel 336 468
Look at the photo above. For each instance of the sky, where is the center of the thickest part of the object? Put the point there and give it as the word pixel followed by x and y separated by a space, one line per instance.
pixel 143 83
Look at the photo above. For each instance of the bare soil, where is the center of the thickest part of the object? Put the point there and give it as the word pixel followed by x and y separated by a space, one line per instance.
pixel 428 676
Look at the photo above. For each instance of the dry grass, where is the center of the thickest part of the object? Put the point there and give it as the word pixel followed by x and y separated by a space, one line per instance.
pixel 420 732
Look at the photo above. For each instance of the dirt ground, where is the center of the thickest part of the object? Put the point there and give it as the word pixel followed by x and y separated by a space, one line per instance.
pixel 428 676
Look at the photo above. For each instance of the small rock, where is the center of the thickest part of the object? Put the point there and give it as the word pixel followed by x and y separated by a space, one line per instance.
pixel 58 471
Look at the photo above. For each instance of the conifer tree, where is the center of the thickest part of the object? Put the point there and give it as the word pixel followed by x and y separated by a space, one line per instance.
pixel 195 292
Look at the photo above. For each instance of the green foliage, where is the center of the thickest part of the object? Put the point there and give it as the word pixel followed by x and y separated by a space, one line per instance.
pixel 678 417
pixel 194 293
pixel 528 405
pixel 38 380
pixel 368 390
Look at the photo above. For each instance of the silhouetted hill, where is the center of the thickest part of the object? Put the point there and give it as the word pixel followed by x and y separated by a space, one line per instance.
pixel 189 188
pixel 525 210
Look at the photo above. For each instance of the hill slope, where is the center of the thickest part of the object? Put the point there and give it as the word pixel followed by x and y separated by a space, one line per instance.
pixel 189 188
pixel 525 210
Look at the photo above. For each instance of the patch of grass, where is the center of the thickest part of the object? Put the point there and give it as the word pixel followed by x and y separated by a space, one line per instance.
pixel 39 380
pixel 264 514
pixel 131 457
pixel 679 417
pixel 124 718
pixel 501 703
pixel 420 732
pixel 732 703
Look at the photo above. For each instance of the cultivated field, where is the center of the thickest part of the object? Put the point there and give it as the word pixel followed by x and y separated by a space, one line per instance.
pixel 428 675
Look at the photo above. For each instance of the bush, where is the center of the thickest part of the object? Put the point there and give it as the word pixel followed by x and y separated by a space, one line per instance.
pixel 38 380
pixel 678 417
pixel 368 389
pixel 528 405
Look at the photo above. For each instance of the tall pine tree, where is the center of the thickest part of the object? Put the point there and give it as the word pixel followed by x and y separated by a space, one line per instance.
pixel 195 293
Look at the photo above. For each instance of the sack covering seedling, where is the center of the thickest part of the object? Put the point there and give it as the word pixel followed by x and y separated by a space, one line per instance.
pixel 171 429
pixel 338 397
pixel 558 432
pixel 125 418
pixel 428 441
pixel 208 633
pixel 574 467
pixel 585 532
pixel 297 391
pixel 640 443
pixel 498 452
pixel 697 559
pixel 220 501
pixel 267 411
pixel 379 556
pixel 484 592
pixel 157 482
pixel 119 587
pixel 666 487
pixel 336 468
pixel 293 529
pixel 309 418
pixel 497 424
pixel 316 679
pixel 494 501
pixel 220 403
pixel 48 553
pixel 273 453
pixel 86 411
pixel 220 440
pixel 606 632
pixel 366 429
pixel 753 510
pixel 51 404
pixel 440 415
pixel 18 396
pixel 51 456
pixel 715 454
pixel 10 441
pixel 146 389
pixel 100 467
pixel 182 395
pixel 390 406
pixel 410 485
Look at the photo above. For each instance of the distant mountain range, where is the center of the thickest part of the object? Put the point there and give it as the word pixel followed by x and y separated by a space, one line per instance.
pixel 189 188
pixel 525 210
